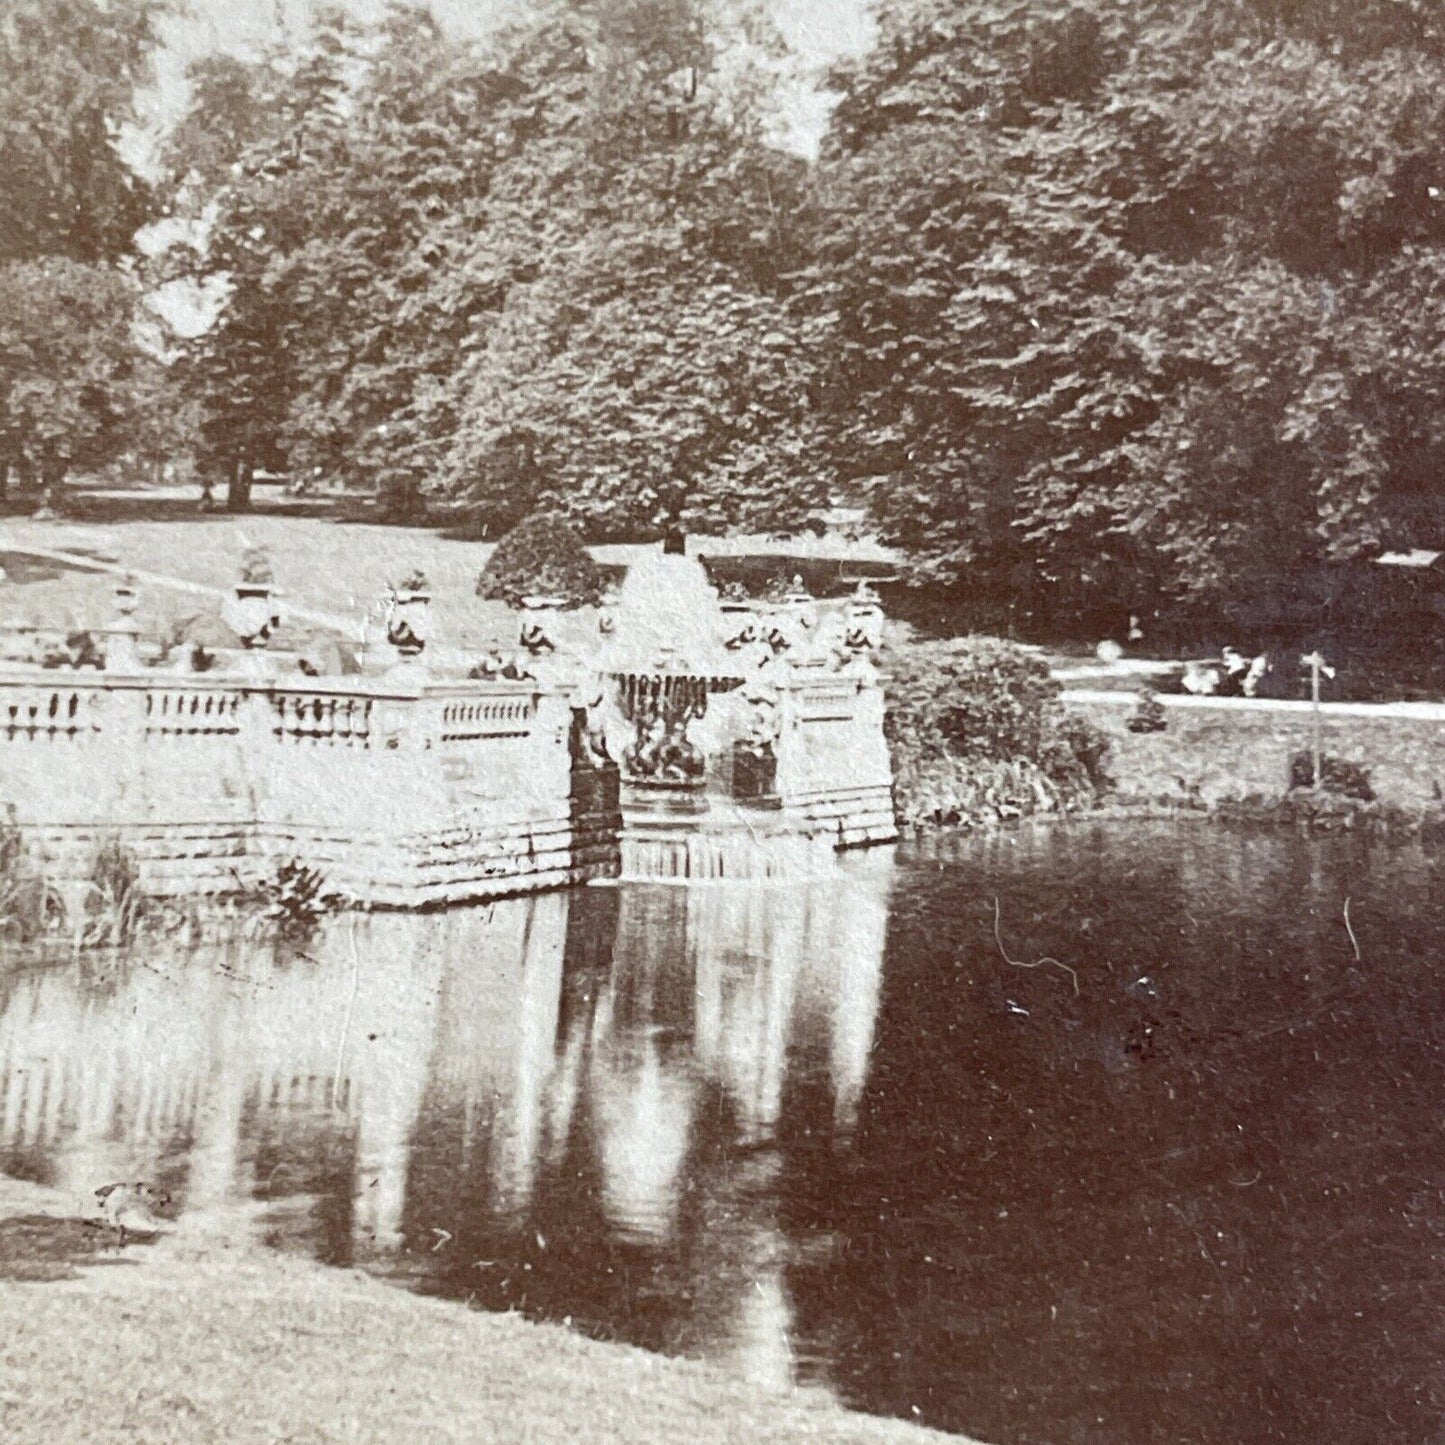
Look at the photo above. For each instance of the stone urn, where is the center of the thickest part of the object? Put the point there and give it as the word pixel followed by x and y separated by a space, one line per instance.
pixel 864 615
pixel 125 599
pixel 408 620
pixel 121 654
pixel 538 629
pixel 607 614
pixel 251 613
pixel 739 622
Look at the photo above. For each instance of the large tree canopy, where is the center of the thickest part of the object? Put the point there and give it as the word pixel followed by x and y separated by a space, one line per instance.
pixel 549 269
pixel 69 71
pixel 70 207
pixel 1121 297
pixel 646 364
pixel 1139 287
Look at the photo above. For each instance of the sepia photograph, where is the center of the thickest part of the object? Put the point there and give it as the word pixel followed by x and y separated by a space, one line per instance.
pixel 722 722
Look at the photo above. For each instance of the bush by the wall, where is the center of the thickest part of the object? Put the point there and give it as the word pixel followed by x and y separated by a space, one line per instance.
pixel 977 734
pixel 541 557
pixel 30 907
pixel 115 904
pixel 1349 780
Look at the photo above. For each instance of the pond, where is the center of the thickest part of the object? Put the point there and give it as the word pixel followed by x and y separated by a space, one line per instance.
pixel 1108 1133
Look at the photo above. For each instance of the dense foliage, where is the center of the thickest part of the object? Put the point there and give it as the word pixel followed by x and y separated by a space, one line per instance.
pixel 542 556
pixel 978 734
pixel 549 270
pixel 76 387
pixel 1133 294
pixel 1128 299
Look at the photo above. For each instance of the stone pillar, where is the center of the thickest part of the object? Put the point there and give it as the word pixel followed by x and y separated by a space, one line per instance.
pixel 799 611
pixel 121 654
pixel 539 638
pixel 550 773
pixel 864 621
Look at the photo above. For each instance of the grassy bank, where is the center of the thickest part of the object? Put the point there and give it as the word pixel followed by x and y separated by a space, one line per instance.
pixel 981 734
pixel 183 1341
pixel 1208 757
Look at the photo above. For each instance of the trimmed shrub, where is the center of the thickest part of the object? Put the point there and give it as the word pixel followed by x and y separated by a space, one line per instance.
pixel 977 735
pixel 541 557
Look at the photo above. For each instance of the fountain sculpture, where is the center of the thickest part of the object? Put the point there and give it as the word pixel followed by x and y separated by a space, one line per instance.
pixel 739 731
pixel 665 659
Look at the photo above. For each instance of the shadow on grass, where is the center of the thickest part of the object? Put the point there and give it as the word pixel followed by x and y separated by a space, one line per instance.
pixel 22 568
pixel 146 505
pixel 42 1248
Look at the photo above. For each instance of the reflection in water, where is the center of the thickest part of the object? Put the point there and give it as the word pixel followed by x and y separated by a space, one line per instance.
pixel 1195 1200
pixel 479 1100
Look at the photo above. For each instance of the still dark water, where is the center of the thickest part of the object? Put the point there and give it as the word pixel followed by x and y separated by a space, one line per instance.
pixel 831 1134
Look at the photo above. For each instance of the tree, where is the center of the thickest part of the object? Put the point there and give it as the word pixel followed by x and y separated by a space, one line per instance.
pixel 645 356
pixel 462 233
pixel 67 365
pixel 286 118
pixel 69 71
pixel 1115 287
pixel 333 174
pixel 69 210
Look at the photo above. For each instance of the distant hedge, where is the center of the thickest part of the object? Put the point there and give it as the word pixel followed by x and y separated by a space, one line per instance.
pixel 541 557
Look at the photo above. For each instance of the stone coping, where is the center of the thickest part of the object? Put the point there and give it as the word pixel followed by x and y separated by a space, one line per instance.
pixel 1403 711
pixel 64 680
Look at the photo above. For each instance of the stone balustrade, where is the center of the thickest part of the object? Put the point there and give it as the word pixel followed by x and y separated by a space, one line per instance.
pixel 407 789
pixel 404 792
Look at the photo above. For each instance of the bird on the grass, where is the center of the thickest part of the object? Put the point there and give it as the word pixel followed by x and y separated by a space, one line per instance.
pixel 131 1207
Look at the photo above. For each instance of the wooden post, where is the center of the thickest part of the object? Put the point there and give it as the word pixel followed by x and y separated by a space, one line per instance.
pixel 1317 665
pixel 1315 710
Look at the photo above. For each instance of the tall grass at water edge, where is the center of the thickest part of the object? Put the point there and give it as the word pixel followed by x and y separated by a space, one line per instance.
pixel 111 909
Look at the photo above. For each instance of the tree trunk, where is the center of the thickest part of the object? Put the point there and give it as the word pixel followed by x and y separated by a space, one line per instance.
pixel 238 488
pixel 52 474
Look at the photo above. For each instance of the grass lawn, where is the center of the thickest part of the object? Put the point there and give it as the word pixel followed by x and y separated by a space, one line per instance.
pixel 1214 755
pixel 181 1342
pixel 335 570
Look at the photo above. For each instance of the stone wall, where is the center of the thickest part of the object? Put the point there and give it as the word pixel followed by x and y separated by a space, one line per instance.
pixel 407 790
pixel 834 773
pixel 403 792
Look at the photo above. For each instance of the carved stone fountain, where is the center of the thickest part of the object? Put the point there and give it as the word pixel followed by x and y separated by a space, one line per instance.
pixel 665 660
